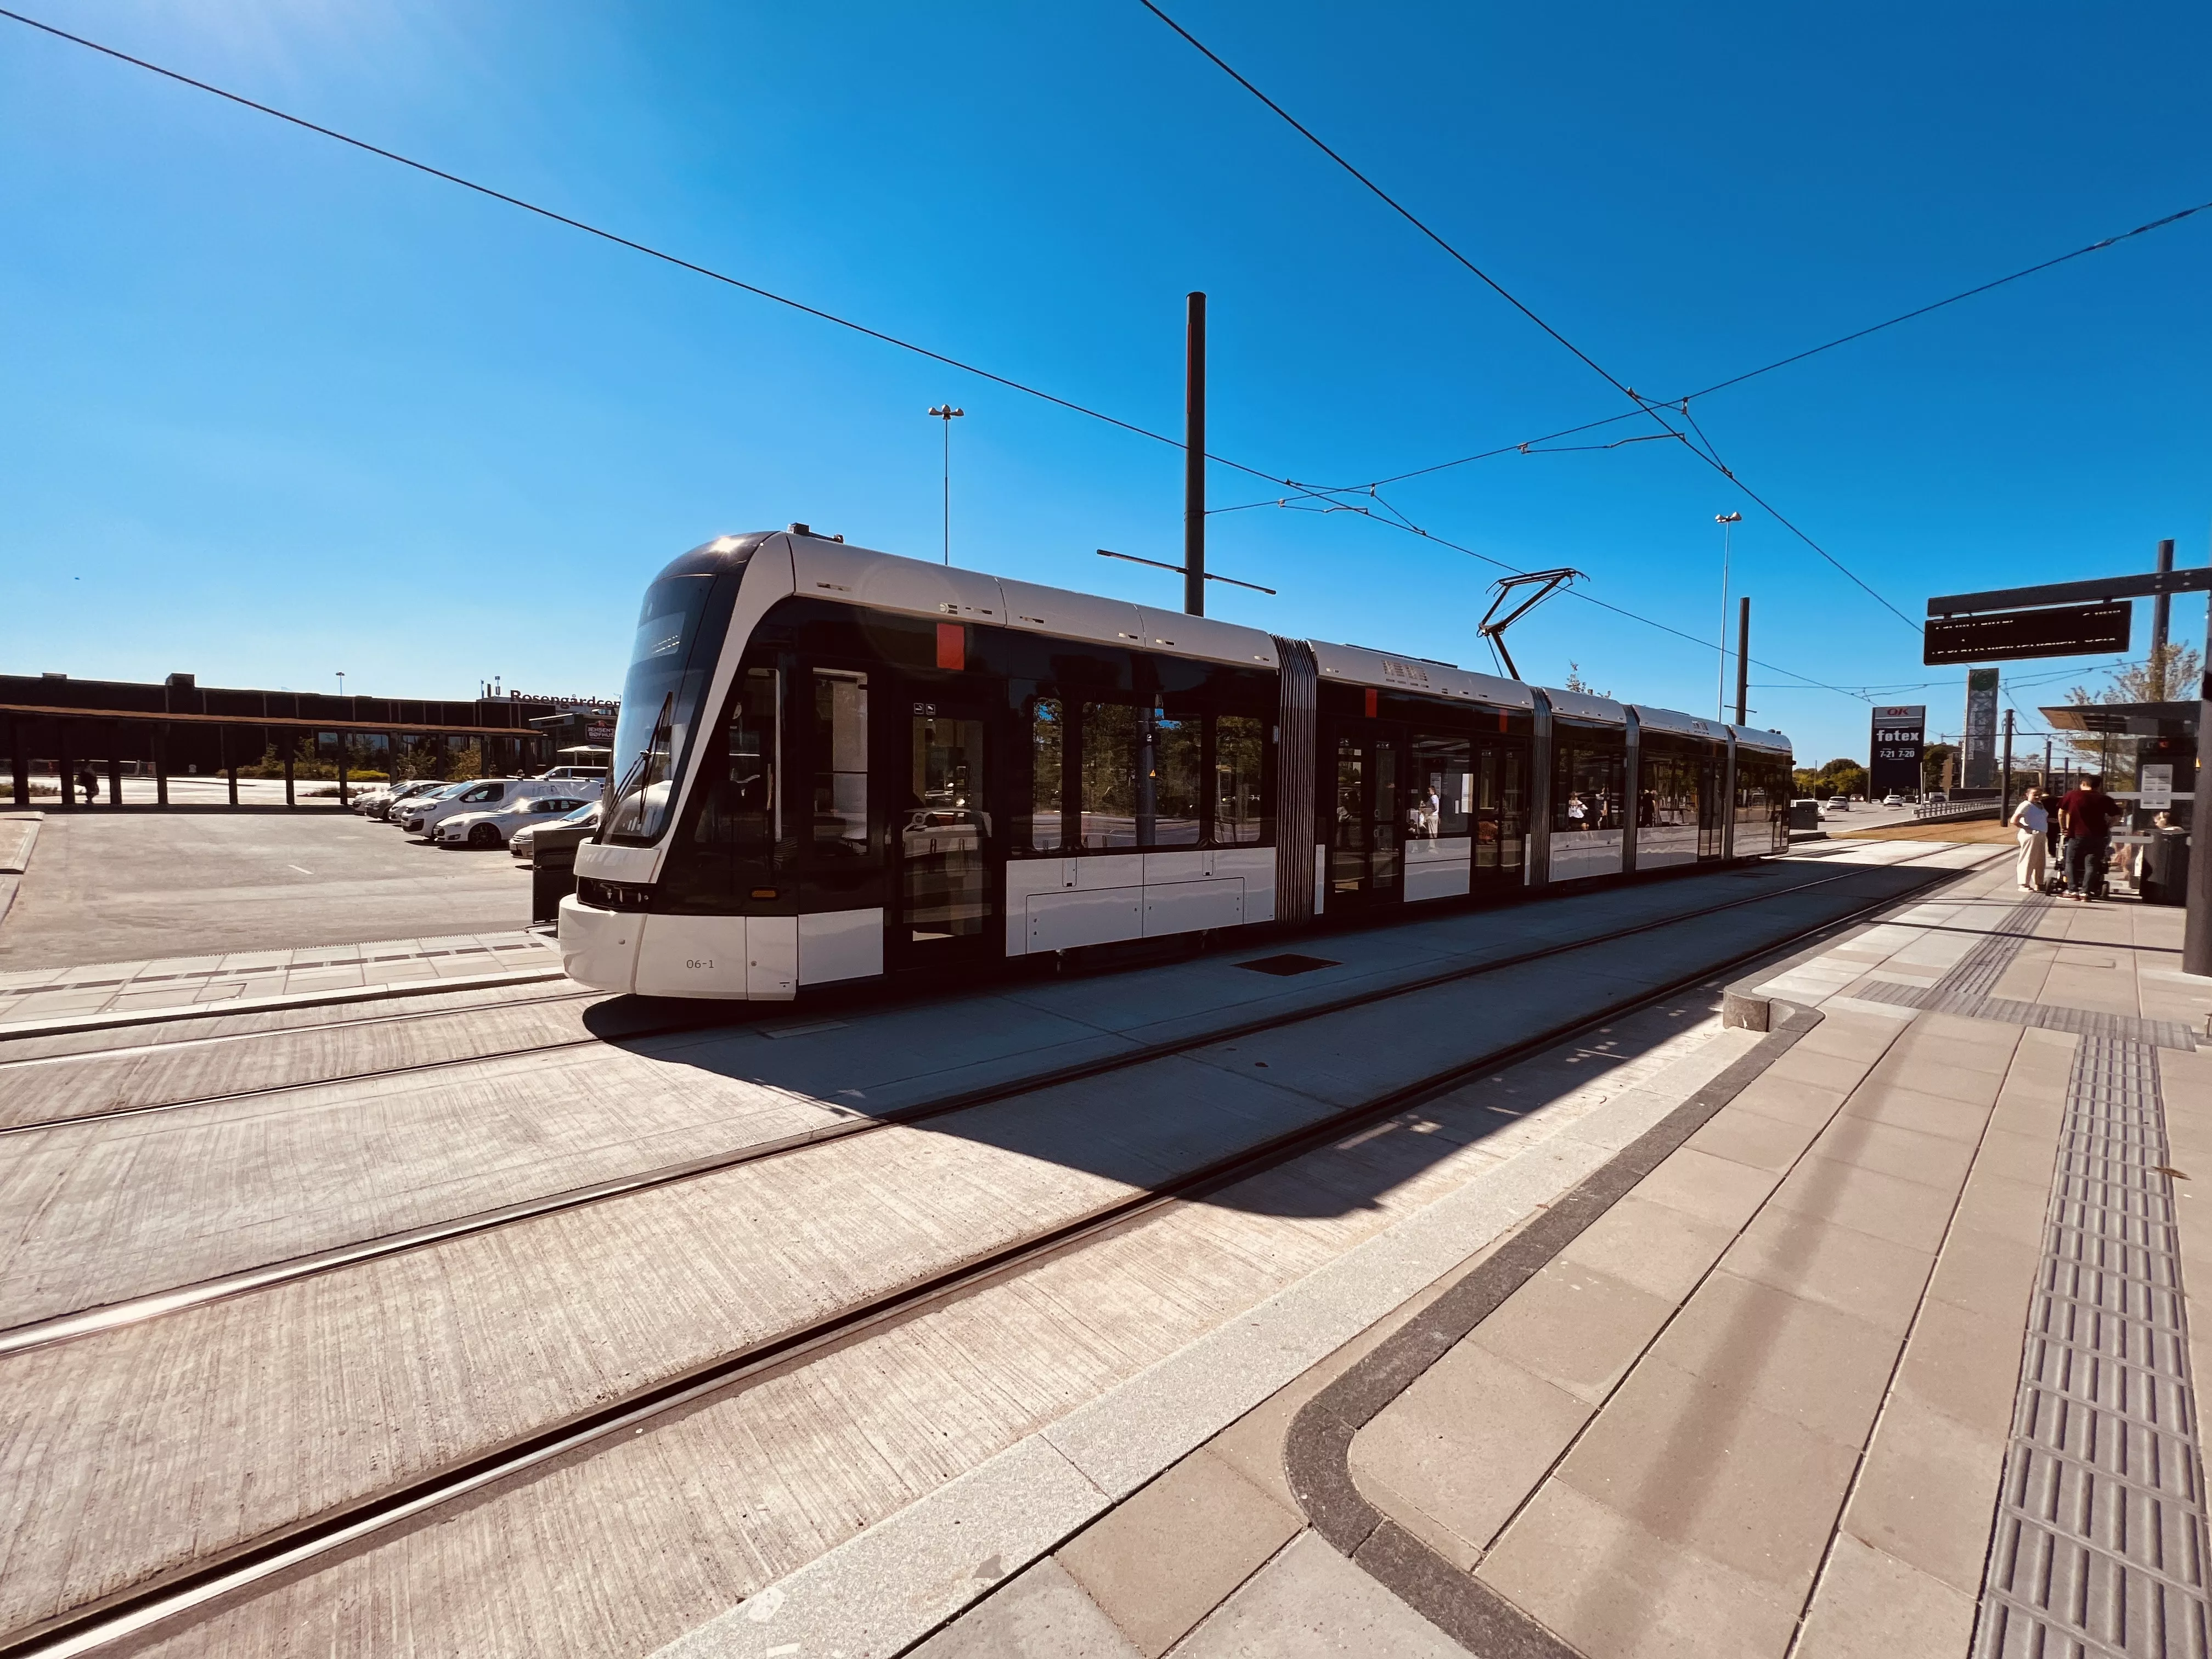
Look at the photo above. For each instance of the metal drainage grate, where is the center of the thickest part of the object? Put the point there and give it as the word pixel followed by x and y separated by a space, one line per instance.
pixel 2101 1537
pixel 1288 963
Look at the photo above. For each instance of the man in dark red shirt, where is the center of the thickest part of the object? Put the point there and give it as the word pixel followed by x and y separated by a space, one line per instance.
pixel 2085 818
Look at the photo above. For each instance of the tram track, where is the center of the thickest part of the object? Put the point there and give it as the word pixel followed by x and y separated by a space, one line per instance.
pixel 718 1018
pixel 176 1595
pixel 95 1320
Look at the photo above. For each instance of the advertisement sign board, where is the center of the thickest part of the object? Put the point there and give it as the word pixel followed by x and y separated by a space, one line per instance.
pixel 1900 732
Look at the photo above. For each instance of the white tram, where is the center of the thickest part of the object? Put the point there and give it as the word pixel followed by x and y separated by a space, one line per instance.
pixel 833 765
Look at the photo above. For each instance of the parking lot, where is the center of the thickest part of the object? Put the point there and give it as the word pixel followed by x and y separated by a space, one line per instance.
pixel 115 887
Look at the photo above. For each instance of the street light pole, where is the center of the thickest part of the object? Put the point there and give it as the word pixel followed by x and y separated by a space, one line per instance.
pixel 1727 521
pixel 948 415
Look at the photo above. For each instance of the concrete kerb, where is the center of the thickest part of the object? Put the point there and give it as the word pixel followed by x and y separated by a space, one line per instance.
pixel 19 834
pixel 412 987
pixel 1317 1453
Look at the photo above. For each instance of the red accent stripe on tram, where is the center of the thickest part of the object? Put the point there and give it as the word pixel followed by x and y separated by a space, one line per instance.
pixel 951 645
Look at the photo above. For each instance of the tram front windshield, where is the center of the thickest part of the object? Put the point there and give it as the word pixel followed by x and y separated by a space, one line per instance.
pixel 668 667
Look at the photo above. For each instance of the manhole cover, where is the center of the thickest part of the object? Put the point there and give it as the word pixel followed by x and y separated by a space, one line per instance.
pixel 1289 963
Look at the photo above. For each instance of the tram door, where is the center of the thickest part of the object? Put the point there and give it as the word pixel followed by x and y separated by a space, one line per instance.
pixel 1364 773
pixel 944 900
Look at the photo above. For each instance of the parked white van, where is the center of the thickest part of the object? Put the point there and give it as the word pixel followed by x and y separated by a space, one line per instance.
pixel 491 795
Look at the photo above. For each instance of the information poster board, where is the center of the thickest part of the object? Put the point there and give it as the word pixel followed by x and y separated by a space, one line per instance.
pixel 1900 733
pixel 2156 782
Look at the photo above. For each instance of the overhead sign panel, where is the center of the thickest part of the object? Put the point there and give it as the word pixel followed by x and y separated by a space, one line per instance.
pixel 2070 630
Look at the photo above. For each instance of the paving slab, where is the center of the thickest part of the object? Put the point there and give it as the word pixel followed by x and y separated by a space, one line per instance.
pixel 1804 1455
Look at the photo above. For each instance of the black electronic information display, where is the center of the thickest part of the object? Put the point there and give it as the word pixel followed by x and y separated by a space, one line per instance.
pixel 1901 737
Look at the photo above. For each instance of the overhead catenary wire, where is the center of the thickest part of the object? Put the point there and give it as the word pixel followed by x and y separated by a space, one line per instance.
pixel 1644 405
pixel 620 240
pixel 1301 492
pixel 1407 527
pixel 1679 399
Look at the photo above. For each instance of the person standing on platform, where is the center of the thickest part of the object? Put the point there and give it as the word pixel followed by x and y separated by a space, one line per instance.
pixel 2085 818
pixel 2033 822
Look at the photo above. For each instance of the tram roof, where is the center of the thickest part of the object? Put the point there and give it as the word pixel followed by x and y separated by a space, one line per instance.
pixel 828 565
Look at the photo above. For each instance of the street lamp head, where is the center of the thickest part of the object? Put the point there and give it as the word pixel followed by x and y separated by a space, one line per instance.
pixel 948 413
pixel 1727 518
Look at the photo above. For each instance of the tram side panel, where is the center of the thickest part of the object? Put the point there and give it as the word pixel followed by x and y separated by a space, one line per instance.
pixel 880 765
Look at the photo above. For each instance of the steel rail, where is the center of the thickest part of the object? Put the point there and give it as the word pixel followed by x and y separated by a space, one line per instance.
pixel 704 1022
pixel 127 1613
pixel 82 1323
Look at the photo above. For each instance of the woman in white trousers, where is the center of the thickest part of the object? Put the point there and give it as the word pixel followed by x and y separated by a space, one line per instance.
pixel 2033 822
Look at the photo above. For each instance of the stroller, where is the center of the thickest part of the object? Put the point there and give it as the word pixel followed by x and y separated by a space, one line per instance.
pixel 2054 867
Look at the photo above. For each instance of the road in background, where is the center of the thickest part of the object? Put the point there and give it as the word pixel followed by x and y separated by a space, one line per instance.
pixel 126 886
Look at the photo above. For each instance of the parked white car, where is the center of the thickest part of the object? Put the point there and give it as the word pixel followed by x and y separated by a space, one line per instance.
pixel 492 828
pixel 383 803
pixel 492 795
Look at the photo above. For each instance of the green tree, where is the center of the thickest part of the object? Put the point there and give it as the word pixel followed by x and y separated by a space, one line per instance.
pixel 1932 760
pixel 2169 673
pixel 1576 682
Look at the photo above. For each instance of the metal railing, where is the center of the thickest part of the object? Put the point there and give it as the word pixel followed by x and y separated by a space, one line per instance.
pixel 1948 810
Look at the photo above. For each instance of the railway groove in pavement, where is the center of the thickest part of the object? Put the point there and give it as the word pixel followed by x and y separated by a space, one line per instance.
pixel 170 1595
pixel 716 1015
pixel 80 1322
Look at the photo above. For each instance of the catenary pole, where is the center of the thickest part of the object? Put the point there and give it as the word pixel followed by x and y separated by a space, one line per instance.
pixel 2004 797
pixel 2160 609
pixel 1193 457
pixel 2197 926
pixel 1743 658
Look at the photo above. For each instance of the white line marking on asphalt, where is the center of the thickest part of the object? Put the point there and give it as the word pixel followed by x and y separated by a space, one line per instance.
pixel 294 866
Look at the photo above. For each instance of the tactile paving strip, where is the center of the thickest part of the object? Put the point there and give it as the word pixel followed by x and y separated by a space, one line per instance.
pixel 2100 1545
pixel 2158 1033
pixel 1964 989
pixel 1976 974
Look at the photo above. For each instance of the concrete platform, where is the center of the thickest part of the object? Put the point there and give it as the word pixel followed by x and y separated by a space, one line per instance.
pixel 1024 1407
pixel 1891 1352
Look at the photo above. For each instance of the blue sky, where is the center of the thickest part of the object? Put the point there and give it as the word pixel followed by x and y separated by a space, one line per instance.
pixel 274 409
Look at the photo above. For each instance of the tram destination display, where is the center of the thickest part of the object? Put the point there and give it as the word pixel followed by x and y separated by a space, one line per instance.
pixel 1900 732
pixel 2066 630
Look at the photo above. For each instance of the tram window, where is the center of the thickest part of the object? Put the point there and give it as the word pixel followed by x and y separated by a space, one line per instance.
pixel 841 763
pixel 1238 754
pixel 1586 782
pixel 1109 774
pixel 1484 781
pixel 1048 782
pixel 1441 796
pixel 1347 860
pixel 1670 794
pixel 740 810
pixel 1512 809
pixel 1762 802
pixel 1168 756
